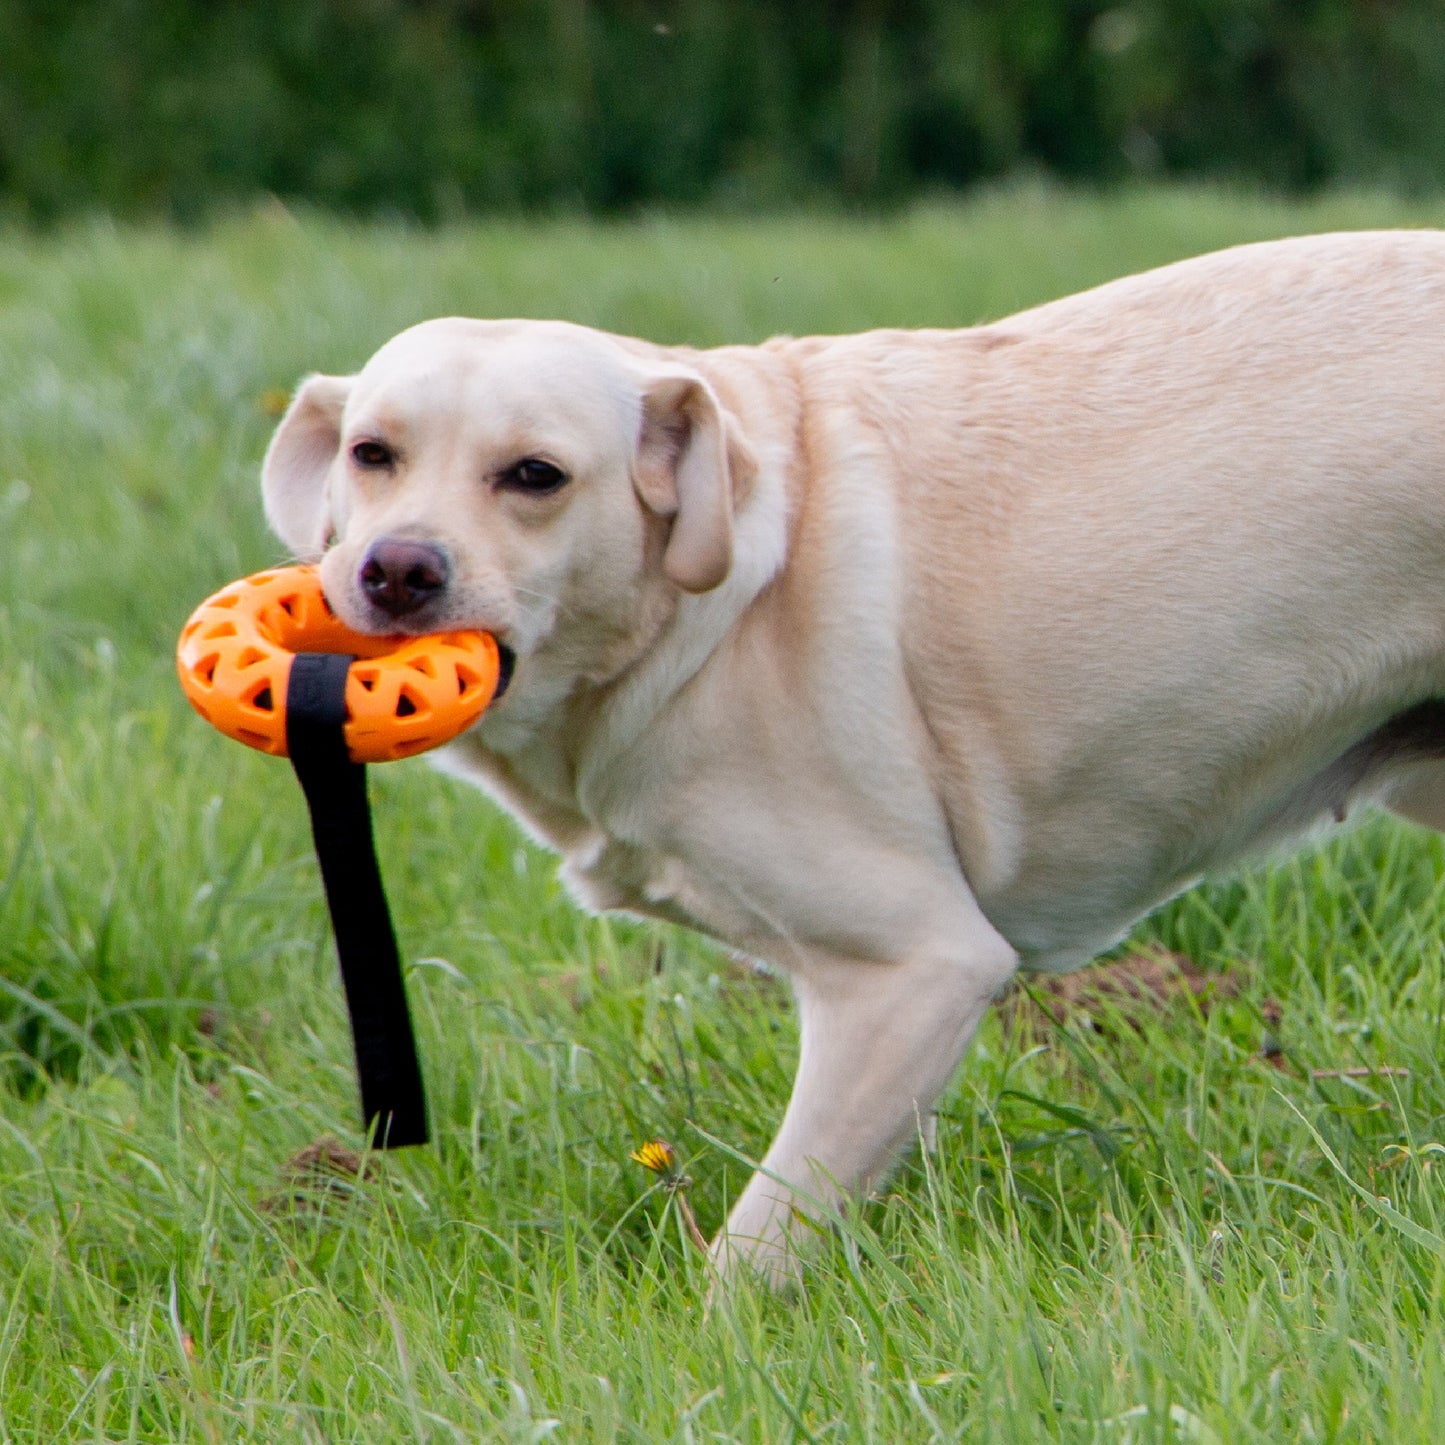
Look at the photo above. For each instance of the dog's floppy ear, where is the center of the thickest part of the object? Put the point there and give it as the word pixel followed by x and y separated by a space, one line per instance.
pixel 692 465
pixel 293 476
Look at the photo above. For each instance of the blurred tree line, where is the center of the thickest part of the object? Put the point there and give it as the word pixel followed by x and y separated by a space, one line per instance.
pixel 430 108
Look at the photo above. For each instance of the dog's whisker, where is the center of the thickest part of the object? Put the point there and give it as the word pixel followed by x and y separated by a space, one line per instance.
pixel 555 605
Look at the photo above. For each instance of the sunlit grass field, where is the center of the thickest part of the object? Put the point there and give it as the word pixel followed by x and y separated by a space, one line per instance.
pixel 1218 1222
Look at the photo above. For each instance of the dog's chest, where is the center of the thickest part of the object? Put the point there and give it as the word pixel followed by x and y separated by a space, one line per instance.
pixel 624 851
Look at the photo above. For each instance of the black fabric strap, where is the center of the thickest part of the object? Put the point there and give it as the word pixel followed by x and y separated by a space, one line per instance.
pixel 335 788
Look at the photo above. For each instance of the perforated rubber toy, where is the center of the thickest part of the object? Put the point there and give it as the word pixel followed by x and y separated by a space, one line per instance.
pixel 403 694
pixel 267 662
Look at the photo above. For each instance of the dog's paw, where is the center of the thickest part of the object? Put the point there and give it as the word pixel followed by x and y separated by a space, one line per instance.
pixel 739 1263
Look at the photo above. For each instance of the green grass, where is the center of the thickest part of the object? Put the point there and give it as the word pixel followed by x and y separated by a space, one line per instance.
pixel 1147 1234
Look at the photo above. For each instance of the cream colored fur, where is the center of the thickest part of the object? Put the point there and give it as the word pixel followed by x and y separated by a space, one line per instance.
pixel 902 659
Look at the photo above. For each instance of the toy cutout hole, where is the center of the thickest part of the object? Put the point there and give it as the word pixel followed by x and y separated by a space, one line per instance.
pixel 220 629
pixel 250 656
pixel 406 705
pixel 423 664
pixel 225 599
pixel 263 700
pixel 205 669
pixel 288 605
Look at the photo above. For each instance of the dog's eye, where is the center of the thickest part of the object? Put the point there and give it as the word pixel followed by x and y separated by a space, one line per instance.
pixel 533 475
pixel 372 455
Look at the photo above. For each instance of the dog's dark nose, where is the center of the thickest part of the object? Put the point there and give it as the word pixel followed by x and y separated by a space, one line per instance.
pixel 401 576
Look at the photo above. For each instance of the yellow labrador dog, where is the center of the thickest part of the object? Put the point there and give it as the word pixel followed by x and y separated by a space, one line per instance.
pixel 908 659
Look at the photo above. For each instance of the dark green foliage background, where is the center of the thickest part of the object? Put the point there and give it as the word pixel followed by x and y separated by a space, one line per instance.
pixel 432 108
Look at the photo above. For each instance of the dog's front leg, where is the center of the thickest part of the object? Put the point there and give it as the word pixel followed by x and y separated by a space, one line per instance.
pixel 879 1040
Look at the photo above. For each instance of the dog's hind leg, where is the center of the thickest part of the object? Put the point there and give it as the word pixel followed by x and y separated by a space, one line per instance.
pixel 879 1041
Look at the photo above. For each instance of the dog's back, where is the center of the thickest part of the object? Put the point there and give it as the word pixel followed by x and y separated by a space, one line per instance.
pixel 1178 547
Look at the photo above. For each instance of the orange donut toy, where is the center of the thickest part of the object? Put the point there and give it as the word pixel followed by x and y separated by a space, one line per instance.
pixel 403 694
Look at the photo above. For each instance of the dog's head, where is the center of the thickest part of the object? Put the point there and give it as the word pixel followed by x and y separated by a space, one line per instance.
pixel 538 480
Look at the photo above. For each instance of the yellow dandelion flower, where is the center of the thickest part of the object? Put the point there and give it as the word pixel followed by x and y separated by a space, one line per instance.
pixel 656 1155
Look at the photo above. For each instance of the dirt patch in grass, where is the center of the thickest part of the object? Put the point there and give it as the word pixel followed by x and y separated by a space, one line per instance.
pixel 1126 990
pixel 322 1172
